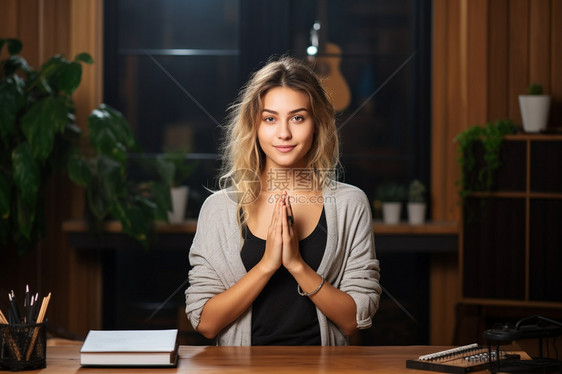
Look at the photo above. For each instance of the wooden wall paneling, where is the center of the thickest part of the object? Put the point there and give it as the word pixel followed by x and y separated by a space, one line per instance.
pixel 56 258
pixel 446 110
pixel 61 260
pixel 556 64
pixel 438 155
pixel 9 24
pixel 86 22
pixel 477 62
pixel 460 127
pixel 54 32
pixel 28 29
pixel 86 36
pixel 498 60
pixel 539 47
pixel 455 111
pixel 438 111
pixel 518 56
pixel 445 294
pixel 86 273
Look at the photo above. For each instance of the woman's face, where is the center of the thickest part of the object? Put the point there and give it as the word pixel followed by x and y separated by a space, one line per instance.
pixel 286 128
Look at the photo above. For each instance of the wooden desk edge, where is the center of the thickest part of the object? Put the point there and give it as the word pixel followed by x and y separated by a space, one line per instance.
pixel 308 359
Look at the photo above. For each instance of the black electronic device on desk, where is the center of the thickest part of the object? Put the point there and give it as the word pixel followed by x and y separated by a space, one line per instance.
pixel 464 359
pixel 534 327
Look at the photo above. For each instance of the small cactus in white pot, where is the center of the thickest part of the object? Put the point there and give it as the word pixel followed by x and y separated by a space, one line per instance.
pixel 391 195
pixel 417 204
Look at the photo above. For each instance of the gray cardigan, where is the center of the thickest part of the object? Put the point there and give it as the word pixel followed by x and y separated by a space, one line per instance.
pixel 349 261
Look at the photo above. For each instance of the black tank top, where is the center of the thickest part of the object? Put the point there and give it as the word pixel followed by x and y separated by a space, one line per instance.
pixel 280 316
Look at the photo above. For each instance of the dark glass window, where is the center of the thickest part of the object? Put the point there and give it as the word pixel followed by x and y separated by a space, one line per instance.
pixel 173 67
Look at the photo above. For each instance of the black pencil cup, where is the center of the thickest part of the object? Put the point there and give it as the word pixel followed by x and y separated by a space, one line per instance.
pixel 23 346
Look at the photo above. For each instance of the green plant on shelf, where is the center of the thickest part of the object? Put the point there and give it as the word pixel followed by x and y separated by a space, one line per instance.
pixel 490 137
pixel 391 192
pixel 417 192
pixel 535 89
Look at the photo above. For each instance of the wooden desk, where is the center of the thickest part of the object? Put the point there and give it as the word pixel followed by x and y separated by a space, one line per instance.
pixel 248 360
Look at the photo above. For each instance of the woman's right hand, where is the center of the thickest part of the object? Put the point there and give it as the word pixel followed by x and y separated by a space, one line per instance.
pixel 225 307
pixel 273 256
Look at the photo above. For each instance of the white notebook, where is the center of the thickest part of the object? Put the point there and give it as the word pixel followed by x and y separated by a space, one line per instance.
pixel 130 348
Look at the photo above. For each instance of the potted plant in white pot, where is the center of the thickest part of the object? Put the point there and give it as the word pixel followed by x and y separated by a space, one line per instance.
pixel 391 195
pixel 535 107
pixel 417 204
pixel 175 169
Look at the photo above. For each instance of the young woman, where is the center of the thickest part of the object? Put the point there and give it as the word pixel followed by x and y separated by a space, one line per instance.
pixel 283 254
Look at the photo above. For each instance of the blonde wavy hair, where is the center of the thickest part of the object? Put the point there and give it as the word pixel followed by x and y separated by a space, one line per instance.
pixel 242 157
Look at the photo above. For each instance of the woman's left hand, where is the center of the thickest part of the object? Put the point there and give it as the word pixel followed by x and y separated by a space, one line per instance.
pixel 291 253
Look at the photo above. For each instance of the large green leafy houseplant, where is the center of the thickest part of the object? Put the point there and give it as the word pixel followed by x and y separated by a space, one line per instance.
pixel 39 137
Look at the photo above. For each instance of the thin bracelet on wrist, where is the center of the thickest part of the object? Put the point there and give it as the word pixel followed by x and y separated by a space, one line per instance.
pixel 302 293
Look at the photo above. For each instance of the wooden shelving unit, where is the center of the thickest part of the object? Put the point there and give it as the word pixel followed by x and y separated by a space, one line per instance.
pixel 510 242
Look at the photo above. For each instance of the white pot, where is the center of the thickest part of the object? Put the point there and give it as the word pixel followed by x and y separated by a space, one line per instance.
pixel 179 203
pixel 534 112
pixel 391 212
pixel 416 213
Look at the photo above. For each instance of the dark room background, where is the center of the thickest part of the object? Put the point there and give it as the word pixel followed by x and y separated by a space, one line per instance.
pixel 172 67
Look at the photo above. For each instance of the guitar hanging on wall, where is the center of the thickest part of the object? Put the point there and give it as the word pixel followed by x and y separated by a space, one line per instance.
pixel 326 58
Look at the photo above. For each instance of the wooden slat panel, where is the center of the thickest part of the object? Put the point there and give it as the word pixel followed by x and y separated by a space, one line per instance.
pixel 57 259
pixel 28 30
pixel 556 64
pixel 539 49
pixel 448 117
pixel 455 119
pixel 445 293
pixel 87 37
pixel 498 60
pixel 85 25
pixel 55 29
pixel 440 143
pixel 9 24
pixel 518 61
pixel 477 62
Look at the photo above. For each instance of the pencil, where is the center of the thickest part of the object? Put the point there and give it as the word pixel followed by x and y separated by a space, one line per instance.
pixel 44 305
pixel 2 318
pixel 35 308
pixel 42 312
pixel 26 305
pixel 14 304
